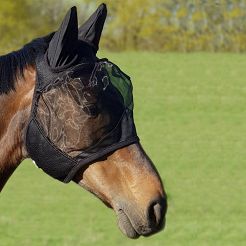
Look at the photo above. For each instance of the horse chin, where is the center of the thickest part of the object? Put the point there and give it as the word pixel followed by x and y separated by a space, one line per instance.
pixel 126 226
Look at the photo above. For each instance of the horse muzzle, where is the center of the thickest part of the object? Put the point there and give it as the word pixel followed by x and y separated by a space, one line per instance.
pixel 135 222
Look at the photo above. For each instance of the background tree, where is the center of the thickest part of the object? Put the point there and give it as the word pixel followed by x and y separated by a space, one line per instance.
pixel 159 25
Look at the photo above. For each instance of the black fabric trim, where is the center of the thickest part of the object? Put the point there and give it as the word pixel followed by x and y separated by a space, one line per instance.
pixel 96 156
pixel 46 156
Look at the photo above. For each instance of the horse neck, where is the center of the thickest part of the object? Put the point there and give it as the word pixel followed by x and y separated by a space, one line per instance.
pixel 15 110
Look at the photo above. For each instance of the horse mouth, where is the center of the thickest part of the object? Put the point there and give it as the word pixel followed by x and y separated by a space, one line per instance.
pixel 133 226
pixel 126 226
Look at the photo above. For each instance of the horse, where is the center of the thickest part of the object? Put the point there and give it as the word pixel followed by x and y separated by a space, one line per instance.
pixel 123 178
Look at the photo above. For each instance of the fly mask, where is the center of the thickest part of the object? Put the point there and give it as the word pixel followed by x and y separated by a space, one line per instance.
pixel 82 110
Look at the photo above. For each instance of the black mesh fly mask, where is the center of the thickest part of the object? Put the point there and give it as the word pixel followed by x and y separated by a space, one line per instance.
pixel 82 108
pixel 79 115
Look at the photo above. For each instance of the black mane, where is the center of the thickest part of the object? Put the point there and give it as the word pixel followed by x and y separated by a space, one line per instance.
pixel 12 65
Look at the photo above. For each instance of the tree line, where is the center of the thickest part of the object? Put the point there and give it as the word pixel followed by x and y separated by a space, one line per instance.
pixel 156 25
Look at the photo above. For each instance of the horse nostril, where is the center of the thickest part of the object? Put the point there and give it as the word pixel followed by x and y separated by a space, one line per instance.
pixel 156 213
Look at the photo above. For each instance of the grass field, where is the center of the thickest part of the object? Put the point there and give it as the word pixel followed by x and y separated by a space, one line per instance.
pixel 190 111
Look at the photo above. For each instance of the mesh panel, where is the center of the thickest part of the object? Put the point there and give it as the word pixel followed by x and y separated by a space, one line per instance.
pixel 121 82
pixel 77 113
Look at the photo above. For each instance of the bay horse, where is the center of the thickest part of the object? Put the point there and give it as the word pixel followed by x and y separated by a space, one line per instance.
pixel 125 179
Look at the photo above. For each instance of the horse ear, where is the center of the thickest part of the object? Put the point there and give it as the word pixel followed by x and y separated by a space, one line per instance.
pixel 90 32
pixel 62 46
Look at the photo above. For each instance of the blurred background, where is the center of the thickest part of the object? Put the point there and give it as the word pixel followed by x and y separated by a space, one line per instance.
pixel 157 25
pixel 188 67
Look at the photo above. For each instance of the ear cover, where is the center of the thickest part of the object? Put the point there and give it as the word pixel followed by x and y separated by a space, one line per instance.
pixel 62 47
pixel 90 32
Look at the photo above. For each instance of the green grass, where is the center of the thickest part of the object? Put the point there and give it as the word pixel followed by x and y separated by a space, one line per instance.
pixel 190 111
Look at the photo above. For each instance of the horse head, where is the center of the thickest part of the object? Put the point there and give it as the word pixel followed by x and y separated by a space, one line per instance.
pixel 81 126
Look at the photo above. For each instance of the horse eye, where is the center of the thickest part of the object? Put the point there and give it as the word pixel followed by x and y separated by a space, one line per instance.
pixel 91 110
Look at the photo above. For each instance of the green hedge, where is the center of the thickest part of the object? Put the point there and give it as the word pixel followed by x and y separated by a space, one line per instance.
pixel 157 25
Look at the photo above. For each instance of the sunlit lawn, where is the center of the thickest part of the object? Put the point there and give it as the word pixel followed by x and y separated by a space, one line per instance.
pixel 190 111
